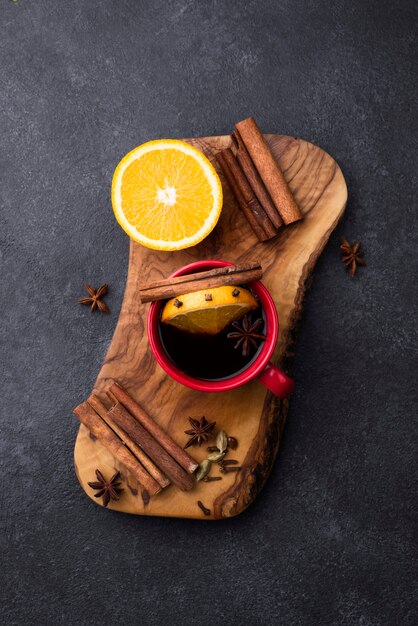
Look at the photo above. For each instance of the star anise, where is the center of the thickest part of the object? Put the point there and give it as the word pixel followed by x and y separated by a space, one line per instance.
pixel 247 334
pixel 199 432
pixel 352 257
pixel 110 490
pixel 94 298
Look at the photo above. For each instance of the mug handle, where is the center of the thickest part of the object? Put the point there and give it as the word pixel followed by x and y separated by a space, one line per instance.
pixel 276 381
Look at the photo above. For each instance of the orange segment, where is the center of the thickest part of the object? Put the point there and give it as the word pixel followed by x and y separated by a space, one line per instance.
pixel 166 195
pixel 194 313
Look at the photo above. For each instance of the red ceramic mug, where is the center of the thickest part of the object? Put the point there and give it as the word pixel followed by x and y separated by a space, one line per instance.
pixel 261 368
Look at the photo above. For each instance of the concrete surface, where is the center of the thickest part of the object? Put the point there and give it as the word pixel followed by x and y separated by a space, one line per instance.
pixel 331 539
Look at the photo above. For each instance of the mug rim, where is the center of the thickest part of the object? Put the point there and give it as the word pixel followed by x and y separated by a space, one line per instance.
pixel 253 369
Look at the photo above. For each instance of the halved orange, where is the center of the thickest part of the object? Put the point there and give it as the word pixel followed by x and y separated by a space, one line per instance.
pixel 166 195
pixel 208 311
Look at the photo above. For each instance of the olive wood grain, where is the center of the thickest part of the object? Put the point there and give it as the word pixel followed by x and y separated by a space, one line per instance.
pixel 250 413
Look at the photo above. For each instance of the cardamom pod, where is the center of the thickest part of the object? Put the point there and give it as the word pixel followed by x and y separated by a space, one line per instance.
pixel 203 469
pixel 222 441
pixel 216 456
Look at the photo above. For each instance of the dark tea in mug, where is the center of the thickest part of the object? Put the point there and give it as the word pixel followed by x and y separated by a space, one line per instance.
pixel 215 357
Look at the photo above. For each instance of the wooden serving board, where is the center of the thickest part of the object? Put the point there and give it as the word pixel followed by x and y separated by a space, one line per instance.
pixel 251 414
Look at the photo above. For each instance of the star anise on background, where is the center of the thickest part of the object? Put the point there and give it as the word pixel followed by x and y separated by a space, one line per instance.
pixel 247 333
pixel 199 432
pixel 94 298
pixel 352 257
pixel 110 490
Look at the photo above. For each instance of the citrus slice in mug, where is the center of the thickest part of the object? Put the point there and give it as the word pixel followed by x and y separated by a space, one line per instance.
pixel 166 195
pixel 208 311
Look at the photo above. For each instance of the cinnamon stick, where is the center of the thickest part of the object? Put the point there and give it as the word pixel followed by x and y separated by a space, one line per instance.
pixel 151 447
pixel 249 195
pixel 251 218
pixel 181 456
pixel 87 416
pixel 149 465
pixel 171 287
pixel 255 180
pixel 269 170
pixel 253 211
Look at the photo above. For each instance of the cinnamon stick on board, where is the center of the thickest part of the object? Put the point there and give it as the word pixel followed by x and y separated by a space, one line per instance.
pixel 250 206
pixel 149 465
pixel 181 456
pixel 254 179
pixel 111 441
pixel 239 196
pixel 171 287
pixel 269 170
pixel 153 449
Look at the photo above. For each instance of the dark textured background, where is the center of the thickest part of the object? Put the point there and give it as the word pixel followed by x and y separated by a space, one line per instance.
pixel 331 538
